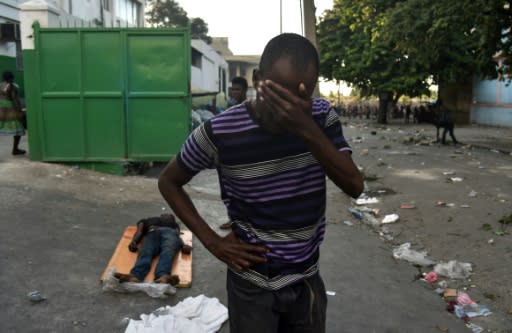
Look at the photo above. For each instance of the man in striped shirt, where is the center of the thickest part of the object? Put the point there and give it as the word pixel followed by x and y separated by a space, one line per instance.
pixel 272 156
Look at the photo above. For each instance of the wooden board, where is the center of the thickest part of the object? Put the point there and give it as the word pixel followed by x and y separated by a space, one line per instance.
pixel 123 260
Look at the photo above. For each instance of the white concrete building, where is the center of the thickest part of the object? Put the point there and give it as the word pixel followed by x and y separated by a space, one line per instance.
pixel 9 13
pixel 17 17
pixel 209 70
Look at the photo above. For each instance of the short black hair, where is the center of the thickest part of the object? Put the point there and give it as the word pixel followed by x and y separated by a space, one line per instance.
pixel 301 52
pixel 240 81
pixel 7 76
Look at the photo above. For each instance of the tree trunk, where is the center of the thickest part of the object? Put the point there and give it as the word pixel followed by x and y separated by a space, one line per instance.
pixel 384 99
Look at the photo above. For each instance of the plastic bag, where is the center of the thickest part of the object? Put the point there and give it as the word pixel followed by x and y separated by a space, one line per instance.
pixel 404 252
pixel 155 290
pixel 453 269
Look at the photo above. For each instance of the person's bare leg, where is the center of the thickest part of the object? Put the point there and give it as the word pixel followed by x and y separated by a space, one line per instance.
pixel 15 146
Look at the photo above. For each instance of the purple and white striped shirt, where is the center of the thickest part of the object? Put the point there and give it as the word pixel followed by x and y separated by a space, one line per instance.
pixel 273 188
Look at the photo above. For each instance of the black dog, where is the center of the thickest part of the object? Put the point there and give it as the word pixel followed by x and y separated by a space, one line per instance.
pixel 447 126
pixel 440 117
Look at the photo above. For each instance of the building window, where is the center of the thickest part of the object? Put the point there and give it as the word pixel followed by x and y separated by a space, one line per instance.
pixel 197 58
pixel 127 10
pixel 106 4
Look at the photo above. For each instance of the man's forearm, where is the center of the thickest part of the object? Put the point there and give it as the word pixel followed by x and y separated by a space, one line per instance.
pixel 339 167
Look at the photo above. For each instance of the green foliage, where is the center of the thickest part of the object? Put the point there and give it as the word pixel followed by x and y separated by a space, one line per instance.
pixel 166 14
pixel 169 14
pixel 353 49
pixel 455 38
pixel 199 29
pixel 403 46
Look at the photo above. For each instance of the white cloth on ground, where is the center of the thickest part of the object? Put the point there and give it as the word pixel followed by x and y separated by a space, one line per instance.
pixel 198 314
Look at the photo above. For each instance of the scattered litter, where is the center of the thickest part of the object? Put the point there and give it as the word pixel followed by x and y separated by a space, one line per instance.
pixel 58 175
pixel 431 277
pixel 444 204
pixel 391 218
pixel 192 315
pixel 464 299
pixel 449 173
pixel 163 208
pixel 456 179
pixel 404 252
pixel 348 223
pixel 330 293
pixel 35 296
pixel 465 206
pixel 494 151
pixel 472 194
pixel 387 237
pixel 474 328
pixel 453 269
pixel 407 206
pixel 442 284
pixel 491 241
pixel 450 293
pixel 439 291
pixel 373 211
pixel 363 216
pixel 364 152
pixel 472 310
pixel 156 290
pixel 367 201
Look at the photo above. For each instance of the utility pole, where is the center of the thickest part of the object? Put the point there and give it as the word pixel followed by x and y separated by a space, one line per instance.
pixel 280 16
pixel 310 28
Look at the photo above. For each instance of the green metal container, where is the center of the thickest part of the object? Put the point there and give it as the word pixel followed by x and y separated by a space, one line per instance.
pixel 107 95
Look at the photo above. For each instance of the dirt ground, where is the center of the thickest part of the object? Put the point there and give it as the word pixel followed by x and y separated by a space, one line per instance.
pixel 404 160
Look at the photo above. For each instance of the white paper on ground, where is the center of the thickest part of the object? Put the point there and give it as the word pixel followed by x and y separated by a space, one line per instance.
pixel 198 314
pixel 391 218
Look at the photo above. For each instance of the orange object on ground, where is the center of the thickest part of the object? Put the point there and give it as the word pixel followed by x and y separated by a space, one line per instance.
pixel 123 260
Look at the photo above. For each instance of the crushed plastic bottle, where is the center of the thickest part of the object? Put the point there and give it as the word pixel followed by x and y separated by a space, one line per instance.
pixel 367 218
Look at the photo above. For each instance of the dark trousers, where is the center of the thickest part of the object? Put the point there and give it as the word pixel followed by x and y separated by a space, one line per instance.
pixel 164 242
pixel 296 308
